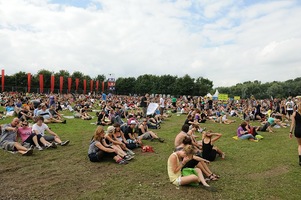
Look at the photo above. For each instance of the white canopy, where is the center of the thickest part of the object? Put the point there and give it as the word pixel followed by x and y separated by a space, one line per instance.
pixel 216 93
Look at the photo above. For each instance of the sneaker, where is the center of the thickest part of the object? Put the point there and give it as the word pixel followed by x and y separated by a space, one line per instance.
pixel 53 145
pixel 65 143
pixel 122 162
pixel 223 155
pixel 131 153
pixel 64 122
pixel 161 139
pixel 28 152
pixel 47 146
pixel 128 157
pixel 39 148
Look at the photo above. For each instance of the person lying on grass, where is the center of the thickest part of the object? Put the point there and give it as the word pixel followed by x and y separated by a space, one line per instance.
pixel 209 151
pixel 8 140
pixel 145 134
pixel 40 127
pixel 110 139
pixel 176 162
pixel 30 138
pixel 98 150
pixel 267 125
pixel 197 160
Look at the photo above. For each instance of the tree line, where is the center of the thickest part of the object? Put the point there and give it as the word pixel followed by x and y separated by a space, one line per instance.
pixel 275 89
pixel 154 84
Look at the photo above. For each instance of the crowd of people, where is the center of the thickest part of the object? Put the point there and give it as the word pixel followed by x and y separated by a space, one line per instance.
pixel 124 123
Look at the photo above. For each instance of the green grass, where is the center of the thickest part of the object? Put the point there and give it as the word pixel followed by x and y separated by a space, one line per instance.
pixel 265 170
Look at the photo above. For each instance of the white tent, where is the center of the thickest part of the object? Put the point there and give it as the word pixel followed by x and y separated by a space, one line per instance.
pixel 215 96
pixel 209 95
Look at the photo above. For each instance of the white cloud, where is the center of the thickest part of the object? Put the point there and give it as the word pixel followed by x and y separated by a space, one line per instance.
pixel 225 41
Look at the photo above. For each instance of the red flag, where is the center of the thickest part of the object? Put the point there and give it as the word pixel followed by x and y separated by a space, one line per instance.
pixel 97 83
pixel 69 84
pixel 41 83
pixel 91 85
pixel 103 86
pixel 85 86
pixel 76 83
pixel 2 73
pixel 51 83
pixel 61 83
pixel 28 82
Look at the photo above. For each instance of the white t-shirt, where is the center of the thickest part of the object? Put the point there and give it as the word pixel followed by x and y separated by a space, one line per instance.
pixel 289 105
pixel 40 129
pixel 162 103
pixel 45 114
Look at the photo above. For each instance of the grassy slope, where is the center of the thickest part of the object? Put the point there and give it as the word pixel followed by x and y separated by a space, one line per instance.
pixel 264 170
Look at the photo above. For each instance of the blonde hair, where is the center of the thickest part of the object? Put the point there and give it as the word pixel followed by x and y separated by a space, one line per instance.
pixel 188 149
pixel 97 134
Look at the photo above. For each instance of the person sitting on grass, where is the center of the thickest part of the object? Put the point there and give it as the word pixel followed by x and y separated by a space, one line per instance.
pixel 54 112
pixel 8 139
pixel 119 136
pixel 131 135
pixel 40 127
pixel 28 137
pixel 48 118
pixel 197 160
pixel 102 119
pixel 243 134
pixel 145 134
pixel 84 114
pixel 98 151
pixel 176 162
pixel 110 139
pixel 24 114
pixel 209 151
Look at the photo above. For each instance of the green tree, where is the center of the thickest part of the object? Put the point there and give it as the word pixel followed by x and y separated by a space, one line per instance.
pixel 202 86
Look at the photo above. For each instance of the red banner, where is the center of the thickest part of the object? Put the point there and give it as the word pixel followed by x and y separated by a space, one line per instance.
pixel 76 83
pixel 51 83
pixel 91 85
pixel 61 83
pixel 103 86
pixel 96 88
pixel 41 83
pixel 28 82
pixel 69 84
pixel 85 86
pixel 2 73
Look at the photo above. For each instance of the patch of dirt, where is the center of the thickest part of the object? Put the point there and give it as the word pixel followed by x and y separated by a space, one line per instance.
pixel 280 170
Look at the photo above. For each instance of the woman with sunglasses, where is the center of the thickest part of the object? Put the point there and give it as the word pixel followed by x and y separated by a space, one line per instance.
pixel 27 136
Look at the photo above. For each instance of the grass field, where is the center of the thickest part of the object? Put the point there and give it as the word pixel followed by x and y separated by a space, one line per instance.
pixel 265 170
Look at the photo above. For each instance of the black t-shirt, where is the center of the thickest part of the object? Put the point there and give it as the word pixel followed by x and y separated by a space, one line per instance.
pixel 100 116
pixel 187 121
pixel 129 130
pixel 143 102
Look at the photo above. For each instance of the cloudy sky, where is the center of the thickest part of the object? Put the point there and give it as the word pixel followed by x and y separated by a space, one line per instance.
pixel 226 41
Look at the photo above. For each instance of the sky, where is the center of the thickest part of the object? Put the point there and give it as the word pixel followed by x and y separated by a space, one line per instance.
pixel 226 41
